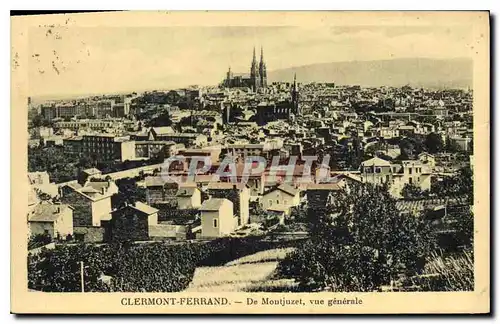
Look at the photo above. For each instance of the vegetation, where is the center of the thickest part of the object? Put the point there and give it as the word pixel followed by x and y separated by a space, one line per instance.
pixel 60 166
pixel 458 184
pixel 412 191
pixel 433 143
pixel 359 243
pixel 128 193
pixel 446 273
pixel 39 240
pixel 154 267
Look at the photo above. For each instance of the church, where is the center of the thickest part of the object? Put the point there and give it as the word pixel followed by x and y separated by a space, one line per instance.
pixel 255 80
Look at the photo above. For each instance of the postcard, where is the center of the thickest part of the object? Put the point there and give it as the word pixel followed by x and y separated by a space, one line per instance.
pixel 250 163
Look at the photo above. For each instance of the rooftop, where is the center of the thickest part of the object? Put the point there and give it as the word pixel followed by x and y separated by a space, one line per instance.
pixel 214 204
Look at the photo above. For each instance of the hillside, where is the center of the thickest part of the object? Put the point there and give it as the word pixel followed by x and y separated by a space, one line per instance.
pixel 419 72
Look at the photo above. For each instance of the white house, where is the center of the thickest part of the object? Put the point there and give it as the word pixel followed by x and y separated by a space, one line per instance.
pixel 284 195
pixel 217 218
pixel 396 175
pixel 188 198
pixel 55 220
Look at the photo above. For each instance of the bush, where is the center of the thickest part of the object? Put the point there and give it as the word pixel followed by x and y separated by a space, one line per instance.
pixel 155 267
pixel 39 240
pixel 359 243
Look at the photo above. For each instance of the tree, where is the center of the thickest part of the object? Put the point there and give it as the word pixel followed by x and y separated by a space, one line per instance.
pixel 433 143
pixel 128 193
pixel 452 146
pixel 161 120
pixel 362 243
pixel 411 191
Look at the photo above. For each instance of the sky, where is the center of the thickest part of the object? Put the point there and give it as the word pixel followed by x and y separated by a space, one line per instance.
pixel 84 60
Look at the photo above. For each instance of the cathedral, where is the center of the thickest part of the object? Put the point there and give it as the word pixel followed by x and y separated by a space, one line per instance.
pixel 256 79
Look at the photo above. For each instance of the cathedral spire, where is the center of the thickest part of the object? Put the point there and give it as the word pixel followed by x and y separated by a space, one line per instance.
pixel 262 54
pixel 254 59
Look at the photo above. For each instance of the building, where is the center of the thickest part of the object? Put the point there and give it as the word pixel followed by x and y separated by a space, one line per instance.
pixel 283 196
pixel 154 149
pixel 238 194
pixel 90 206
pixel 295 96
pixel 217 218
pixel 273 111
pixel 73 146
pixel 396 175
pixel 132 223
pixel 257 79
pixel 188 139
pixel 107 147
pixel 55 220
pixel 87 174
pixel 188 198
pixel 38 178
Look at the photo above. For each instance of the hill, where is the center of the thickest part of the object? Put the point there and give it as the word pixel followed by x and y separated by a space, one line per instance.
pixel 418 72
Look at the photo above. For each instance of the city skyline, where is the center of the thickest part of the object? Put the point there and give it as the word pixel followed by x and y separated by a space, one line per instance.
pixel 78 61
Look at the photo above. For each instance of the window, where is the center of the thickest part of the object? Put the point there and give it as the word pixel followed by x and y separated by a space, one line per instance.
pixel 215 223
pixel 277 201
pixel 387 178
pixel 409 170
pixel 377 170
pixel 270 202
pixel 411 180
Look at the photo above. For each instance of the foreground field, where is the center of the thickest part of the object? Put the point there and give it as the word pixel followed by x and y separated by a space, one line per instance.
pixel 250 273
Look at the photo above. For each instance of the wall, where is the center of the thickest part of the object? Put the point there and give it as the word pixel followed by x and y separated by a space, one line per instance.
pixel 64 225
pixel 129 225
pixel 101 210
pixel 244 207
pixel 190 202
pixel 91 234
pixel 40 228
pixel 207 224
pixel 82 210
pixel 279 197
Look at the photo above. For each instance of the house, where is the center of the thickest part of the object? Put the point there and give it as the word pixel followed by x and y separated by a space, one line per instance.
pixel 396 175
pixel 238 194
pixel 376 171
pixel 41 183
pixel 132 223
pixel 217 218
pixel 427 158
pixel 109 187
pixel 55 220
pixel 163 191
pixel 38 178
pixel 90 206
pixel 188 198
pixel 284 195
pixel 87 174
pixel 318 196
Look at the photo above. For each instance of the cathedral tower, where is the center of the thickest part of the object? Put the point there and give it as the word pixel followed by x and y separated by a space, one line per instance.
pixel 254 73
pixel 295 96
pixel 262 69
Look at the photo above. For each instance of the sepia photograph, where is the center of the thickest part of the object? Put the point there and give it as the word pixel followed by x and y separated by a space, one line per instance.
pixel 257 162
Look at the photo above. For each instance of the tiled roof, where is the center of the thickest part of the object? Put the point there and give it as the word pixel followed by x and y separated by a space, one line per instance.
pixel 213 204
pixel 46 212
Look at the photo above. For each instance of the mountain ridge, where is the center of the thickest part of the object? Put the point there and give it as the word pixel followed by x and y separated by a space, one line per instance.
pixel 419 72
